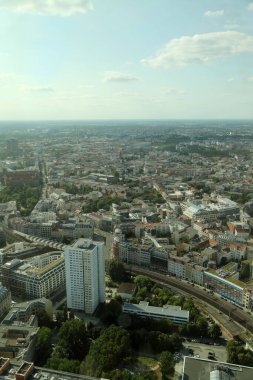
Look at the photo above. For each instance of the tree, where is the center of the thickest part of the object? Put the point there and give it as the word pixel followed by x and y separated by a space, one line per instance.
pixel 2 242
pixel 237 354
pixel 244 272
pixel 214 331
pixel 167 364
pixel 143 281
pixel 43 318
pixel 116 271
pixel 110 312
pixel 106 352
pixel 202 326
pixel 43 345
pixel 63 364
pixel 125 375
pixel 73 342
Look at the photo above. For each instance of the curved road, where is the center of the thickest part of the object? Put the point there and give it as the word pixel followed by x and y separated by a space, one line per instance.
pixel 233 311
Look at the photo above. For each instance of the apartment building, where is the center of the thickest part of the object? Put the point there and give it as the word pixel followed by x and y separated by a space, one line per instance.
pixel 25 311
pixel 5 300
pixel 34 278
pixel 85 275
pixel 226 287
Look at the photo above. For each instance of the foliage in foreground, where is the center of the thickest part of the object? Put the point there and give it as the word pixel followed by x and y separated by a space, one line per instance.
pixel 237 354
pixel 111 348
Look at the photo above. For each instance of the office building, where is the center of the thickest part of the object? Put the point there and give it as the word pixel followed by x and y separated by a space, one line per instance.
pixel 85 275
pixel 174 313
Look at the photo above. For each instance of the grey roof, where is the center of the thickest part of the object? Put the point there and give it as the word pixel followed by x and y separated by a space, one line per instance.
pixel 166 311
pixel 195 368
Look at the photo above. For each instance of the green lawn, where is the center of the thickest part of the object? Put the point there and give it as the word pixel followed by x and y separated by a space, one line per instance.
pixel 148 362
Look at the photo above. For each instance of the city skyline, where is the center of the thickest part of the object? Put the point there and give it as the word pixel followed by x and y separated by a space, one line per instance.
pixel 93 59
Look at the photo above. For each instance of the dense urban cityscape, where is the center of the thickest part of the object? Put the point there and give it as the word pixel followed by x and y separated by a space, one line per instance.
pixel 133 236
pixel 126 190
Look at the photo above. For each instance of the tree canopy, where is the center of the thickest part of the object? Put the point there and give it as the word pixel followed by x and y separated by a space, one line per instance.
pixel 106 352
pixel 116 271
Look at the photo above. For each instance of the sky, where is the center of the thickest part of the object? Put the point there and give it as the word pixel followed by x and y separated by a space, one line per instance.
pixel 126 59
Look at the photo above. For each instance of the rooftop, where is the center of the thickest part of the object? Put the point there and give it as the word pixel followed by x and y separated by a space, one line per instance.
pixel 165 311
pixel 195 368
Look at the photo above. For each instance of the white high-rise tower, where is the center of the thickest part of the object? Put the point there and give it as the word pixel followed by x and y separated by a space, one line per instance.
pixel 85 275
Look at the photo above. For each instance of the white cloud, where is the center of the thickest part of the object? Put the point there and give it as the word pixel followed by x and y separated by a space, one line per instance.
pixel 231 26
pixel 201 48
pixel 6 76
pixel 175 92
pixel 250 7
pixel 37 89
pixel 217 13
pixel 47 7
pixel 250 79
pixel 87 86
pixel 116 76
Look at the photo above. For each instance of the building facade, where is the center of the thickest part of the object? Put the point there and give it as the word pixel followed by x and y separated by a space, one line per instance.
pixel 85 275
pixel 5 300
pixel 34 278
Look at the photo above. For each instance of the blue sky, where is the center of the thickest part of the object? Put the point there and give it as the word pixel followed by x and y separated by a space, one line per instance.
pixel 126 59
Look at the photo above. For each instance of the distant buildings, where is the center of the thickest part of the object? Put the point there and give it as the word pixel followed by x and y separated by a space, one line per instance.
pixel 85 275
pixel 23 176
pixel 12 148
pixel 221 208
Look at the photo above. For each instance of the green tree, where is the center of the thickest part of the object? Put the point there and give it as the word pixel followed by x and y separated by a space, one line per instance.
pixel 244 272
pixel 43 345
pixel 202 326
pixel 63 364
pixel 237 354
pixel 143 281
pixel 2 242
pixel 43 318
pixel 106 352
pixel 72 339
pixel 116 271
pixel 125 375
pixel 167 364
pixel 110 312
pixel 214 331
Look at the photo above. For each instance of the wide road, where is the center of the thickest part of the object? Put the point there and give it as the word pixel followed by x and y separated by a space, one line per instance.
pixel 233 311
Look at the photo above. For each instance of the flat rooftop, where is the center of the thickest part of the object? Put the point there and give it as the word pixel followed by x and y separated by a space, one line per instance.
pixel 165 311
pixel 195 368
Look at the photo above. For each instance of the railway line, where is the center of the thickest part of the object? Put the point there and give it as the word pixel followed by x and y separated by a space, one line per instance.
pixel 231 310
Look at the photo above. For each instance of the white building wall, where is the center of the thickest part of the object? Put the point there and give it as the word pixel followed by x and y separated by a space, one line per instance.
pixel 85 275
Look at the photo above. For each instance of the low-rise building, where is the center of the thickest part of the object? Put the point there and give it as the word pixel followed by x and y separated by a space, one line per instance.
pixel 22 312
pixel 204 369
pixel 173 313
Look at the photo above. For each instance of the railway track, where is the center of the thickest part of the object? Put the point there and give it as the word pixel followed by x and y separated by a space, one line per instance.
pixel 231 310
